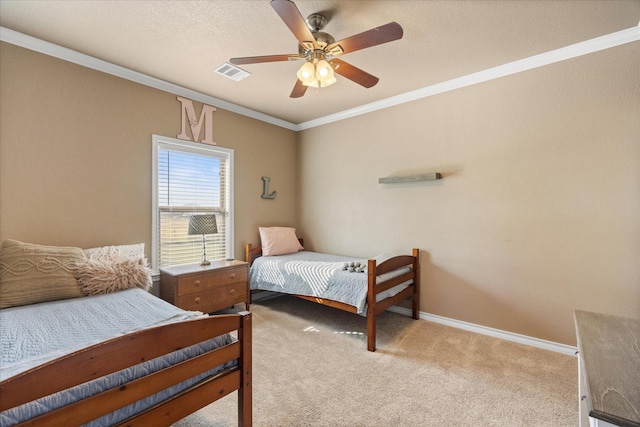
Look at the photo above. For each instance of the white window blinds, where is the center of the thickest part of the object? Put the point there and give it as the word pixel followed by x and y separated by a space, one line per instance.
pixel 190 179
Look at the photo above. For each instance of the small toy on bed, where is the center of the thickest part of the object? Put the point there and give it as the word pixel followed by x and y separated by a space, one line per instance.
pixel 354 267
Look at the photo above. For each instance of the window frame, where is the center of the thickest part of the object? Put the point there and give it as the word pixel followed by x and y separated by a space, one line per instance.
pixel 159 142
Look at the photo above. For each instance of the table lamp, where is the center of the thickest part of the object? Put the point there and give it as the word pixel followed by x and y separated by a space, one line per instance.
pixel 203 224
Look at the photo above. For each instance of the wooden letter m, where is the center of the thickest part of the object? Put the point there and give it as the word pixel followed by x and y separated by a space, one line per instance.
pixel 189 115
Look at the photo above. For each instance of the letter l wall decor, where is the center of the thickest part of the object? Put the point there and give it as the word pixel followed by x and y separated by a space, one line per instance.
pixel 265 189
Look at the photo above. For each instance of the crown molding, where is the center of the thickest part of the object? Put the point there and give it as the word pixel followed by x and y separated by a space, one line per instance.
pixel 572 51
pixel 32 43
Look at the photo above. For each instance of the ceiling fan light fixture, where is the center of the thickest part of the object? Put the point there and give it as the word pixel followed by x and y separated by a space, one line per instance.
pixel 319 84
pixel 323 70
pixel 324 73
pixel 327 82
pixel 307 73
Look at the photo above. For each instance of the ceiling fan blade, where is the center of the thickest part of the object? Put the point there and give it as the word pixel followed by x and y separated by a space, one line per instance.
pixel 289 13
pixel 354 74
pixel 298 90
pixel 379 35
pixel 266 58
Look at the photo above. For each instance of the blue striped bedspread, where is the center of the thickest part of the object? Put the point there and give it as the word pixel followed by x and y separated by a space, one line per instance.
pixel 34 334
pixel 319 275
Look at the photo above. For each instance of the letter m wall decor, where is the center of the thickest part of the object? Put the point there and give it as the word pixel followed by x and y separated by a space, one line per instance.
pixel 189 115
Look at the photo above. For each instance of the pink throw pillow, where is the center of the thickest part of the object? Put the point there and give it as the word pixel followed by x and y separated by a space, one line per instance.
pixel 279 241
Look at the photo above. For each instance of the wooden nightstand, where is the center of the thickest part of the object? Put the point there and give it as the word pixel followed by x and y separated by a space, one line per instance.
pixel 206 288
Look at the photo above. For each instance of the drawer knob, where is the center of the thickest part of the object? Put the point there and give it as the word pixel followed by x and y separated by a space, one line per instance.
pixel 197 300
pixel 232 291
pixel 233 275
pixel 197 283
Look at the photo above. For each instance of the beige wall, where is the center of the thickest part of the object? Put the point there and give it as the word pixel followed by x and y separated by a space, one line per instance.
pixel 538 213
pixel 75 156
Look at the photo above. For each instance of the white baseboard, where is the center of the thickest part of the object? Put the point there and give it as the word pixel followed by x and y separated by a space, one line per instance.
pixel 471 327
pixel 496 333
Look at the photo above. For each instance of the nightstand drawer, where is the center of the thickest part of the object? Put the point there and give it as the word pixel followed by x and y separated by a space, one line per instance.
pixel 213 279
pixel 210 288
pixel 214 299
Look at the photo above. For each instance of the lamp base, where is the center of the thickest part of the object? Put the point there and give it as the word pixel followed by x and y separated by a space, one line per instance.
pixel 205 262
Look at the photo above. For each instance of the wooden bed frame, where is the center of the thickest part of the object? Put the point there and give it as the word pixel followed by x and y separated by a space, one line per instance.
pixel 374 308
pixel 128 350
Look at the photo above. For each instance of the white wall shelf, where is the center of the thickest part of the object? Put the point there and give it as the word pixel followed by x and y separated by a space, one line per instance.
pixel 410 178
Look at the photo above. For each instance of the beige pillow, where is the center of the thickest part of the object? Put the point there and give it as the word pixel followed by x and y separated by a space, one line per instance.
pixel 104 276
pixel 279 241
pixel 32 273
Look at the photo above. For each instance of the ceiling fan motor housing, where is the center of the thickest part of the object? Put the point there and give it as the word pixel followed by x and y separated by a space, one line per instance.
pixel 322 40
pixel 316 22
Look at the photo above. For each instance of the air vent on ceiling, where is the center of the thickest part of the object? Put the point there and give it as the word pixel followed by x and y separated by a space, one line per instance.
pixel 232 72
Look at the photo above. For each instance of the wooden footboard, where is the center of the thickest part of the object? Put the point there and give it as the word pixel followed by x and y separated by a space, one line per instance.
pixel 375 287
pixel 131 349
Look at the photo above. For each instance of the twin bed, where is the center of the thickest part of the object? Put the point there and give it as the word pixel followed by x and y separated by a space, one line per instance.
pixel 123 358
pixel 365 287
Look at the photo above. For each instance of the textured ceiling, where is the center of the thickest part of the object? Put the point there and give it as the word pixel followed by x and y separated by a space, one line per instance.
pixel 183 42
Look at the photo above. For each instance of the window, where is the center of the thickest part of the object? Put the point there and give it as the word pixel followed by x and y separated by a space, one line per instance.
pixel 190 179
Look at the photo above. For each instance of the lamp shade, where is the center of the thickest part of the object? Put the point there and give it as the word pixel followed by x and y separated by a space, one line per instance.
pixel 324 73
pixel 203 224
pixel 328 82
pixel 323 70
pixel 306 73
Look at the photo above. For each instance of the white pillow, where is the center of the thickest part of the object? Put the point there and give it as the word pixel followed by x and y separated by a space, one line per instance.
pixel 279 241
pixel 106 253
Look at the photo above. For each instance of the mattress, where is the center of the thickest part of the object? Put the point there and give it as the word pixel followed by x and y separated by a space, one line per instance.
pixel 34 334
pixel 319 275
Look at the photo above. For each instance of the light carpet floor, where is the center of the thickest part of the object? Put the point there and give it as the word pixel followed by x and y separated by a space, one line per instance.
pixel 311 368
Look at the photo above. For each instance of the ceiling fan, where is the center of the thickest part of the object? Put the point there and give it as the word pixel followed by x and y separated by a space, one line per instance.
pixel 319 49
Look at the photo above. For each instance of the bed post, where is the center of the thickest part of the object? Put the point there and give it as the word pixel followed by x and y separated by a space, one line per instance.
pixel 245 393
pixel 371 305
pixel 415 300
pixel 247 253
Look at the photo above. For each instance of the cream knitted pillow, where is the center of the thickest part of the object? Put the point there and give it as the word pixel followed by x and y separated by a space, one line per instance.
pixel 32 273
